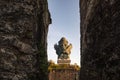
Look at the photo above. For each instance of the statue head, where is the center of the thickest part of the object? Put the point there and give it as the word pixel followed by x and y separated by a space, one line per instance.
pixel 63 40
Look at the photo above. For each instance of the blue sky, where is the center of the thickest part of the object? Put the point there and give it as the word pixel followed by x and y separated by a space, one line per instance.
pixel 65 23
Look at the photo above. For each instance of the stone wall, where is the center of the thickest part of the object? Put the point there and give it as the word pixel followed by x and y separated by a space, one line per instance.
pixel 100 39
pixel 64 74
pixel 23 39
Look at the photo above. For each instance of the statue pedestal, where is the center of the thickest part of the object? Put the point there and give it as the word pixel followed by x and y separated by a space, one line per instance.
pixel 63 61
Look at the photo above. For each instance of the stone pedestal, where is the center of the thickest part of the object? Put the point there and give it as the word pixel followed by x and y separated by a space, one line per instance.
pixel 63 61
pixel 64 74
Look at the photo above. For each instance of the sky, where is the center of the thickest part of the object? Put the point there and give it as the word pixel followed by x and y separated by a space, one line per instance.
pixel 65 23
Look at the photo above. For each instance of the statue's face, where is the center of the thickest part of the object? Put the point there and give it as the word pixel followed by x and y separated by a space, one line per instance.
pixel 63 46
pixel 63 41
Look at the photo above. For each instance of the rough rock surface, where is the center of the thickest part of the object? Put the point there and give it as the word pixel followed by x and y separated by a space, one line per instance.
pixel 23 39
pixel 64 74
pixel 100 39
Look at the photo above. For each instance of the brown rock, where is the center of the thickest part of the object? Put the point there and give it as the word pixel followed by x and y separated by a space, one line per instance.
pixel 23 39
pixel 100 40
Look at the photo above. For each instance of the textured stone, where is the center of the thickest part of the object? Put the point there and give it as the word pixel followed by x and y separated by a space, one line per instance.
pixel 100 40
pixel 63 74
pixel 23 39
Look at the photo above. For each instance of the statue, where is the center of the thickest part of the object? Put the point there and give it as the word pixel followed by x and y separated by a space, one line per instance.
pixel 63 49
